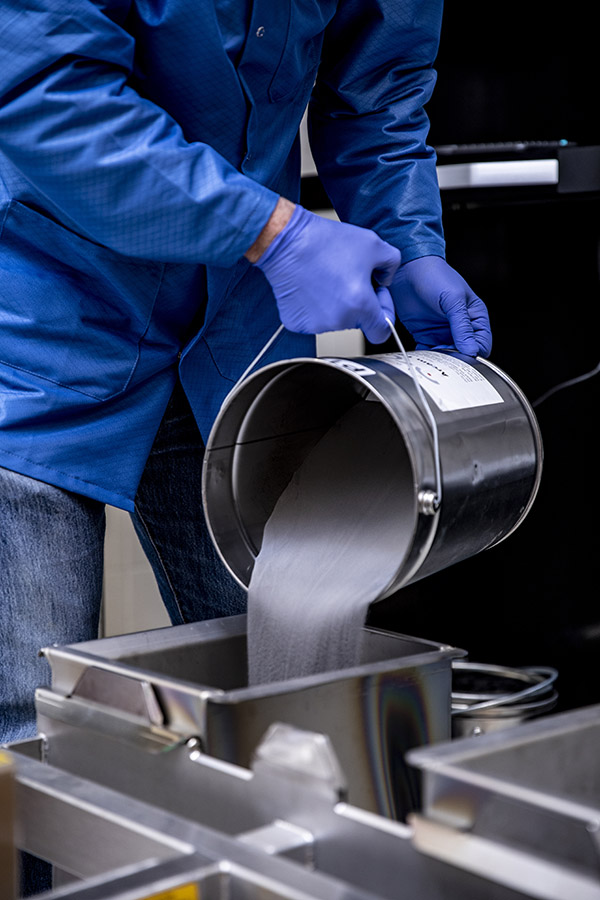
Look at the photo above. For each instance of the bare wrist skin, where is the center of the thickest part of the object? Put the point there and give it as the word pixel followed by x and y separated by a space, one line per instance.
pixel 280 216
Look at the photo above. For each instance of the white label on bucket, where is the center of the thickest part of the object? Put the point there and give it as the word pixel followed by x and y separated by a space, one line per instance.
pixel 450 382
pixel 349 366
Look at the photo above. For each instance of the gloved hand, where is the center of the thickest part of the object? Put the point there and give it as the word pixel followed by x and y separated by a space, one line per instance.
pixel 439 308
pixel 328 276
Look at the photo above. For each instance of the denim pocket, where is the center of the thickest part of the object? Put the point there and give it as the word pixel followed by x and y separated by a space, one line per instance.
pixel 71 311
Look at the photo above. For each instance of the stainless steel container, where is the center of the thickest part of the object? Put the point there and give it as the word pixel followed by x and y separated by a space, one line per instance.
pixel 533 789
pixel 190 683
pixel 479 447
pixel 487 697
pixel 288 837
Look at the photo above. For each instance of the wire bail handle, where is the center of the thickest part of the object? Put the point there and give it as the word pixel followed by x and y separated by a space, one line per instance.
pixel 430 502
pixel 260 355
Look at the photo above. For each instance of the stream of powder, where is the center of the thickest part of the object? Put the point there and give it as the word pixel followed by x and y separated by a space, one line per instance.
pixel 329 549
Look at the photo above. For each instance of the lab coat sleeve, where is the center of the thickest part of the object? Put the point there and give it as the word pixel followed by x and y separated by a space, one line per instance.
pixel 367 122
pixel 115 166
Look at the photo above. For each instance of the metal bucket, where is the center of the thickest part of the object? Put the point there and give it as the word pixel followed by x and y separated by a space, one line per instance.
pixel 487 697
pixel 474 443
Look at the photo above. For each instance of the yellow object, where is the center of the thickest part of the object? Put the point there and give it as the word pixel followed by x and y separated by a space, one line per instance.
pixel 185 892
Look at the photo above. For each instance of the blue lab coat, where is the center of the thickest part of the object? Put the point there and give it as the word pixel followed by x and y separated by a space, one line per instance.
pixel 143 146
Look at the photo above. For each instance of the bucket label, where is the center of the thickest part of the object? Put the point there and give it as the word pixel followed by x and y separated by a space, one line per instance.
pixel 451 383
pixel 349 365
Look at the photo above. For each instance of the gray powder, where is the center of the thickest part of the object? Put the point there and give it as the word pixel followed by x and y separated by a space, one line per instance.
pixel 330 547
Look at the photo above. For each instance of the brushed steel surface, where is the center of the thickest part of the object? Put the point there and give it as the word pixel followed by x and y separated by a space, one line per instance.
pixel 535 787
pixel 130 849
pixel 398 698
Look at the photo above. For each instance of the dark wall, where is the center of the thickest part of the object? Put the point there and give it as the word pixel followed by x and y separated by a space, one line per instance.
pixel 516 70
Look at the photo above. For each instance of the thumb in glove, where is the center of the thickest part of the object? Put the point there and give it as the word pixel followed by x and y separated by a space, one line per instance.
pixel 329 276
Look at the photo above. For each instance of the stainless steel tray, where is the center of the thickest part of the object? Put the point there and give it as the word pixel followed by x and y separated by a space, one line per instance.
pixel 534 787
pixel 189 683
pixel 293 839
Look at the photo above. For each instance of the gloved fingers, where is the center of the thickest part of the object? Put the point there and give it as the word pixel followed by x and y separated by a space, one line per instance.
pixel 388 264
pixel 373 323
pixel 386 301
pixel 325 276
pixel 480 322
pixel 469 322
pixel 366 310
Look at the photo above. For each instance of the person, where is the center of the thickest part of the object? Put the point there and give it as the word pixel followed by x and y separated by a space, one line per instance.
pixel 152 241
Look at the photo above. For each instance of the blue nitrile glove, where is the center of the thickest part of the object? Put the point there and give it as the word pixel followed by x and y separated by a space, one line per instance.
pixel 329 276
pixel 439 308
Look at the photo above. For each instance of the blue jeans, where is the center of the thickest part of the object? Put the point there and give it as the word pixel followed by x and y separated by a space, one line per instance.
pixel 51 561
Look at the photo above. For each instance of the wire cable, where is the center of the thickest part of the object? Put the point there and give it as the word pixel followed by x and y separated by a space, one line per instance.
pixel 566 384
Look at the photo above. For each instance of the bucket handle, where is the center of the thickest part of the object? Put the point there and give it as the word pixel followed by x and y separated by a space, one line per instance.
pixel 548 677
pixel 260 355
pixel 434 502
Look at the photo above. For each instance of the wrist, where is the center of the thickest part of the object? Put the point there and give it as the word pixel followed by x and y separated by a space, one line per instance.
pixel 279 218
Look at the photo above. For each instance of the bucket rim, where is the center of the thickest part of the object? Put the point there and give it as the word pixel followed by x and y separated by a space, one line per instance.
pixel 422 480
pixel 537 435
